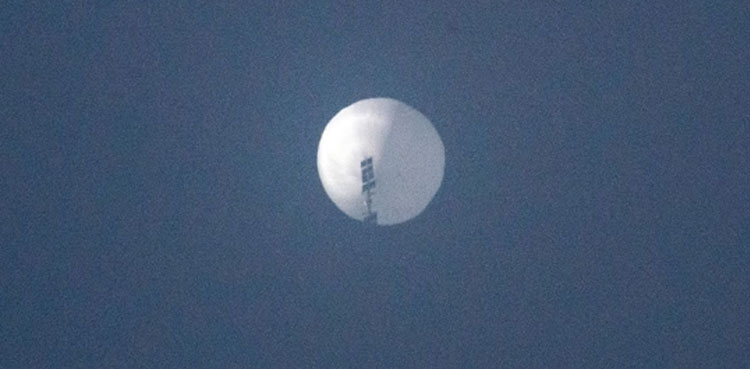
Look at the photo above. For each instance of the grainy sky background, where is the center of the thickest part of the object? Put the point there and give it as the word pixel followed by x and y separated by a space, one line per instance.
pixel 160 204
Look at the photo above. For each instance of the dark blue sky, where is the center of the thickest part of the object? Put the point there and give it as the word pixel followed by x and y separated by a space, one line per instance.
pixel 160 204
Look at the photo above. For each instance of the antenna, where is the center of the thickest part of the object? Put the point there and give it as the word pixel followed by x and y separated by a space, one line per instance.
pixel 368 185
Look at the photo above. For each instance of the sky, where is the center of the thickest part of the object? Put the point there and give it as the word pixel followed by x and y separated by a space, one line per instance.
pixel 160 204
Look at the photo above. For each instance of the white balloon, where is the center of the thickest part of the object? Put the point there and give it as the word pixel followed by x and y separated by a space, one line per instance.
pixel 407 153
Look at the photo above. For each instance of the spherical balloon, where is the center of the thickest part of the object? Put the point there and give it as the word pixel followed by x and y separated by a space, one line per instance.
pixel 381 161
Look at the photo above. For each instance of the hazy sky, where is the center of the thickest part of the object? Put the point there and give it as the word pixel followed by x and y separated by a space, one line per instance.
pixel 160 204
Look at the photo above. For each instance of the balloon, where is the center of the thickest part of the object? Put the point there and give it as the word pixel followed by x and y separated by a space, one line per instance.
pixel 381 161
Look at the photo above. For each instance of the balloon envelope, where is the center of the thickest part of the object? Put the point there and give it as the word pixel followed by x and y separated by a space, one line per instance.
pixel 408 160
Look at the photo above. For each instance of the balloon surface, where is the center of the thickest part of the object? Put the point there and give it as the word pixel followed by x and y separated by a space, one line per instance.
pixel 406 170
